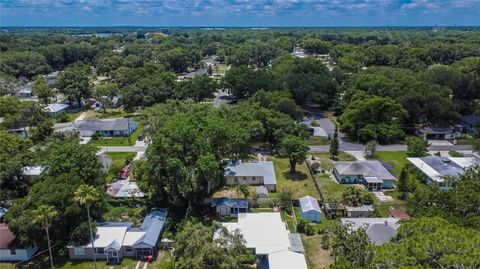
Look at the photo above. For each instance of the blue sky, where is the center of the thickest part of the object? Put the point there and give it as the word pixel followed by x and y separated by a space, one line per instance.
pixel 238 12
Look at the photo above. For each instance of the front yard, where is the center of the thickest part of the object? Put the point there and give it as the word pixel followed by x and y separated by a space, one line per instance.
pixel 117 140
pixel 301 183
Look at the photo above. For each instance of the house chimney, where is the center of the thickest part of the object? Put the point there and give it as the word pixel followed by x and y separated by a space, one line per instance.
pixel 386 222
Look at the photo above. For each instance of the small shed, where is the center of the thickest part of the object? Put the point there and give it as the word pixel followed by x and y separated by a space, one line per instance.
pixel 310 208
pixel 295 243
pixel 225 207
pixel 399 213
pixel 262 192
pixel 359 211
pixel 334 210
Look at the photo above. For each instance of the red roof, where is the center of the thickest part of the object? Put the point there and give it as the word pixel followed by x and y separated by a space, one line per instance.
pixel 6 236
pixel 399 214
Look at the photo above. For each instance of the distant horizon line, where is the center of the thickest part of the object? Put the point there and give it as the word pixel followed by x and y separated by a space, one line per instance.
pixel 220 26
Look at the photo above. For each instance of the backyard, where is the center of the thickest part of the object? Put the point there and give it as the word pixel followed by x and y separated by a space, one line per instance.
pixel 119 160
pixel 300 183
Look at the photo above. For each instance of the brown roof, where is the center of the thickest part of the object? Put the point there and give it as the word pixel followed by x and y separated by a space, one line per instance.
pixel 399 213
pixel 6 237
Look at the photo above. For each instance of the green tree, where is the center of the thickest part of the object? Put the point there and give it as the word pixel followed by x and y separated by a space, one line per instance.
pixel 104 93
pixel 243 188
pixel 417 147
pixel 352 197
pixel 371 149
pixel 295 148
pixel 285 197
pixel 334 144
pixel 403 181
pixel 23 63
pixel 86 195
pixel 73 158
pixel 196 248
pixel 74 83
pixel 42 90
pixel 198 88
pixel 44 215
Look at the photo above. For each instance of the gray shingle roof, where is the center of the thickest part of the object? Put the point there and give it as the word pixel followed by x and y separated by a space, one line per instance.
pixel 120 124
pixel 364 168
pixel 253 169
pixel 295 242
pixel 380 234
pixel 308 203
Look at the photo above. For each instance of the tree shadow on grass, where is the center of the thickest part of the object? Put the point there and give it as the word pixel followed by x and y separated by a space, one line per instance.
pixel 297 176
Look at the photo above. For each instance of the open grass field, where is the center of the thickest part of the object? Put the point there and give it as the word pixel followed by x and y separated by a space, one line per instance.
pixel 109 114
pixel 397 159
pixel 301 182
pixel 318 141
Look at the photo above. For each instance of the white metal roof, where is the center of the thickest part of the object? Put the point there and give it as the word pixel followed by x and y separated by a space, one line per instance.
pixel 308 203
pixel 253 169
pixel 32 170
pixel 106 236
pixel 131 237
pixel 266 232
pixel 286 259
pixel 55 107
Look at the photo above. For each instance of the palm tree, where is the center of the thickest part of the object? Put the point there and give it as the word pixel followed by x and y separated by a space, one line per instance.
pixel 87 195
pixel 44 215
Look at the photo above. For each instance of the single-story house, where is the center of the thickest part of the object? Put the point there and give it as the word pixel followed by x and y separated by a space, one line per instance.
pixel 10 248
pixel 379 230
pixel 52 77
pixel 108 127
pixel 53 110
pixel 334 210
pixel 192 74
pixel 359 211
pixel 25 91
pixel 310 209
pixel 229 206
pixel 268 237
pixel 440 133
pixel 116 240
pixel 251 173
pixel 470 122
pixel 115 102
pixel 436 168
pixel 372 174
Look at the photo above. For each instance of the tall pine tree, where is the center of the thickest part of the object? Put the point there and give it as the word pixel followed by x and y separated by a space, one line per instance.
pixel 334 144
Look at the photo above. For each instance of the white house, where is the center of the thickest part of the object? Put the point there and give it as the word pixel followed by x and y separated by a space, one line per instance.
pixel 267 235
pixel 252 173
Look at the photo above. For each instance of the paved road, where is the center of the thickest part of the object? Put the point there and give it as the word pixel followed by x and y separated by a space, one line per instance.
pixel 123 149
pixel 221 98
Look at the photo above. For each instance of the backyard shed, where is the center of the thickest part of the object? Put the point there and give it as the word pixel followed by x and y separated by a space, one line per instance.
pixel 310 208
pixel 229 207
pixel 262 192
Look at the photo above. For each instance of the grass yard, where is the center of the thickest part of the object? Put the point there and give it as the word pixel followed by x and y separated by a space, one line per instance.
pixel 119 160
pixel 101 264
pixel 316 256
pixel 398 160
pixel 231 192
pixel 164 261
pixel 288 219
pixel 117 140
pixel 300 183
pixel 109 114
pixel 318 141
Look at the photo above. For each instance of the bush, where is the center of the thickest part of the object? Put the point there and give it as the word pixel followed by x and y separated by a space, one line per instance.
pixel 95 136
pixel 62 117
pixel 81 234
pixel 304 226
pixel 367 199
pixel 455 154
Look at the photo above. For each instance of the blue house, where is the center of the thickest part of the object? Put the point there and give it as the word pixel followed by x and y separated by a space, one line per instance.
pixel 310 208
pixel 372 174
pixel 225 207
pixel 108 127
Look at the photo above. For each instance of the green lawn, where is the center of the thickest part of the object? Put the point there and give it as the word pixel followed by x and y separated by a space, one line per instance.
pixel 117 140
pixel 164 261
pixel 288 219
pixel 316 256
pixel 109 114
pixel 301 182
pixel 398 159
pixel 318 141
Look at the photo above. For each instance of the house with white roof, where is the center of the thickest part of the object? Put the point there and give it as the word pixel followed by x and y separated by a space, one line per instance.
pixel 251 173
pixel 115 240
pixel 53 110
pixel 372 174
pixel 437 169
pixel 379 230
pixel 310 208
pixel 268 237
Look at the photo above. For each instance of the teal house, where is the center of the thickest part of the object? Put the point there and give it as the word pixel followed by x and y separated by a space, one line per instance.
pixel 372 174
